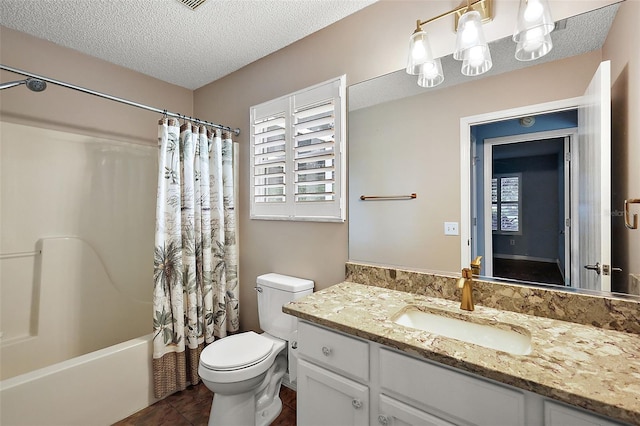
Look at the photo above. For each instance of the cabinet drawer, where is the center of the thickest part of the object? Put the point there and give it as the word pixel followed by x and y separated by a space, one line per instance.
pixel 449 394
pixel 396 413
pixel 333 350
pixel 559 415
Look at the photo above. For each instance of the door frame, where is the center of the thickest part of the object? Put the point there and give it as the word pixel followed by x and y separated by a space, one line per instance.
pixel 466 161
pixel 570 136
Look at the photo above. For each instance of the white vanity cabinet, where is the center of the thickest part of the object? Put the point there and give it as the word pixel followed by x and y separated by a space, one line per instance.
pixel 343 380
pixel 333 372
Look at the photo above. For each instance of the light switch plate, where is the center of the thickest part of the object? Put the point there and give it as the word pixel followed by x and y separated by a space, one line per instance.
pixel 451 228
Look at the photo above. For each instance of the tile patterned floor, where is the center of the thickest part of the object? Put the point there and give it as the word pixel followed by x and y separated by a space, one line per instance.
pixel 191 408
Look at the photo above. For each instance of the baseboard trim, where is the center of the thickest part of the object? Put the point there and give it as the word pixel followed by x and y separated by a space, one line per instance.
pixel 521 257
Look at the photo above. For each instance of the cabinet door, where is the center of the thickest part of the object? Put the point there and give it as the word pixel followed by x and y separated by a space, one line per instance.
pixel 560 415
pixel 325 398
pixel 394 413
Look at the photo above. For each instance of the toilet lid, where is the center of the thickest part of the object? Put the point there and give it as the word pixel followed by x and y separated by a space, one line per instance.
pixel 237 351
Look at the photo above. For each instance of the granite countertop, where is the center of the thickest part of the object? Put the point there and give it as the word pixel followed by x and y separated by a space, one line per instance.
pixel 581 365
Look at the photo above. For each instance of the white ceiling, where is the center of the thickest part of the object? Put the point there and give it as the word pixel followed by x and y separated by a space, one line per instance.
pixel 167 40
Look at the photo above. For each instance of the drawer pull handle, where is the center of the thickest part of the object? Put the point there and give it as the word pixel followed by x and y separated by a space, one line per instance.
pixel 356 403
pixel 326 351
pixel 383 420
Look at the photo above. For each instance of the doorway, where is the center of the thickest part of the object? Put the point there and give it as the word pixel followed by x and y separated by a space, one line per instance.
pixel 590 242
pixel 522 207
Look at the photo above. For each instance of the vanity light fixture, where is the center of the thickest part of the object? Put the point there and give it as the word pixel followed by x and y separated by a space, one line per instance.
pixel 471 47
pixel 533 30
pixel 532 38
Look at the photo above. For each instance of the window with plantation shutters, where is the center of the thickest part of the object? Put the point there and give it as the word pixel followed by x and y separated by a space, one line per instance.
pixel 297 161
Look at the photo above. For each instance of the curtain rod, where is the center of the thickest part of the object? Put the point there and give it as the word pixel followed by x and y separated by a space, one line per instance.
pixel 114 98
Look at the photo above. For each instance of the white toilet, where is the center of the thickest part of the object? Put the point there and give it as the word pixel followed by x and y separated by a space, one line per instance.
pixel 245 370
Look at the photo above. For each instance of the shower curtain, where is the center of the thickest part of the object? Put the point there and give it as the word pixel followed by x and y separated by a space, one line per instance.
pixel 195 294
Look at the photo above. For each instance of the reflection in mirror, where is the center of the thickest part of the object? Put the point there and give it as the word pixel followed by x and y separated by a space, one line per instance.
pixel 404 139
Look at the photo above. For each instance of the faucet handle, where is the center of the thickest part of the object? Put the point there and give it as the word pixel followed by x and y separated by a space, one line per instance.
pixel 476 264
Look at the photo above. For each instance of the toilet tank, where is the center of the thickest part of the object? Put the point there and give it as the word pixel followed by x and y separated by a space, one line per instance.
pixel 275 290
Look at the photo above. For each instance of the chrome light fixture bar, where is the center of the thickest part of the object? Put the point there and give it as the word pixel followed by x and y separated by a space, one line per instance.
pixel 532 37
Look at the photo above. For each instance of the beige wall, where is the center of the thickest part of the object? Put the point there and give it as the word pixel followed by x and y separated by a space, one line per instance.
pixel 68 110
pixel 623 49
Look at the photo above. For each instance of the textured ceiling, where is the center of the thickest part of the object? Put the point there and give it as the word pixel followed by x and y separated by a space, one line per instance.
pixel 167 40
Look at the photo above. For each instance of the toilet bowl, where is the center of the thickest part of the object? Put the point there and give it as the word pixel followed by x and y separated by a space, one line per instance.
pixel 243 373
pixel 245 370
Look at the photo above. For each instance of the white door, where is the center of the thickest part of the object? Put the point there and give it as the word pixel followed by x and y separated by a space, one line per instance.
pixel 594 184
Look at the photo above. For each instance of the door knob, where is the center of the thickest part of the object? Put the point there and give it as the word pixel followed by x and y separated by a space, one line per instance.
pixel 595 267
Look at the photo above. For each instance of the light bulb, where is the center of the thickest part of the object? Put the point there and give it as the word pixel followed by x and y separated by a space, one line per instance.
pixel 533 39
pixel 429 69
pixel 418 51
pixel 534 11
pixel 475 56
pixel 469 33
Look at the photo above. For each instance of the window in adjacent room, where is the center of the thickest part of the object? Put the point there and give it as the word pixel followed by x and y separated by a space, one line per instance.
pixel 505 203
pixel 297 155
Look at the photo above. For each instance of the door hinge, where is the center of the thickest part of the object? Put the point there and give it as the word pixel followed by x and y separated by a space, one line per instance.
pixel 567 223
pixel 567 156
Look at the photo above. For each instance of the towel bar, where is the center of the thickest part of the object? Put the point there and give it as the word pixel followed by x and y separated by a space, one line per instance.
pixel 388 197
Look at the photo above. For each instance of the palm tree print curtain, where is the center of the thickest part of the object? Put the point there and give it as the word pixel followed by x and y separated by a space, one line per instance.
pixel 195 293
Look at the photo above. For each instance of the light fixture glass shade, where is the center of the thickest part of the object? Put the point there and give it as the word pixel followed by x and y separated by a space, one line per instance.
pixel 476 61
pixel 533 14
pixel 469 35
pixel 533 45
pixel 419 52
pixel 431 74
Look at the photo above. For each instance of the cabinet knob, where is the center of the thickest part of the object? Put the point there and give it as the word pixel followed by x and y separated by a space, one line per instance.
pixel 383 420
pixel 356 403
pixel 326 351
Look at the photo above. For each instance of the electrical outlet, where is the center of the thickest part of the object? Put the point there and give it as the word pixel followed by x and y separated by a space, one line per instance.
pixel 451 228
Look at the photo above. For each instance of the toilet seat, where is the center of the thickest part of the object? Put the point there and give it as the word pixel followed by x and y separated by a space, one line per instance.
pixel 236 352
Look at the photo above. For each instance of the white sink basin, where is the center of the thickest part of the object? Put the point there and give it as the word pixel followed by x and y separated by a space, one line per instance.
pixel 487 335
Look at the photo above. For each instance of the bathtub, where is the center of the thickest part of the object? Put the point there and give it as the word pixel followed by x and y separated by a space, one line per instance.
pixel 81 361
pixel 98 388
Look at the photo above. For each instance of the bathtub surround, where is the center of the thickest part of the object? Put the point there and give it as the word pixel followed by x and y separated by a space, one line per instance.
pixel 603 312
pixel 74 238
pixel 195 263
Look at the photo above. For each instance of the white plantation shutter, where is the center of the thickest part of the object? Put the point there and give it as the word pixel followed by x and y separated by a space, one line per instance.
pixel 297 162
pixel 269 158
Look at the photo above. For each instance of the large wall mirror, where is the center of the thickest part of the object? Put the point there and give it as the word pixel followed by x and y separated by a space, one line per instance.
pixel 405 147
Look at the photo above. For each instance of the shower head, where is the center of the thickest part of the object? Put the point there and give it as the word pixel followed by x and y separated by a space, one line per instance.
pixel 36 85
pixel 32 84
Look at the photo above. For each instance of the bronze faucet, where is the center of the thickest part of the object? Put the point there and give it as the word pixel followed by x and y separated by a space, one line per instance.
pixel 466 284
